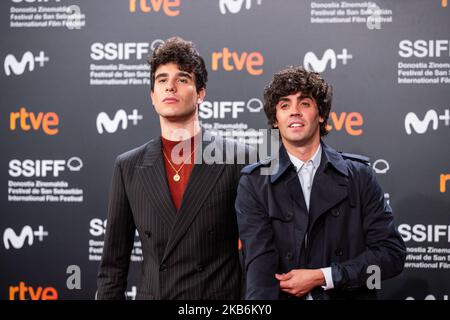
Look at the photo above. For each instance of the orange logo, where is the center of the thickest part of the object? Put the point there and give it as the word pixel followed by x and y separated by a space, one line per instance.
pixel 444 3
pixel 352 122
pixel 24 292
pixel 170 7
pixel 230 61
pixel 28 120
pixel 443 184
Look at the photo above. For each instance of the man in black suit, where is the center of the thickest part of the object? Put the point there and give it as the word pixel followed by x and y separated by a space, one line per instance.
pixel 176 194
pixel 318 226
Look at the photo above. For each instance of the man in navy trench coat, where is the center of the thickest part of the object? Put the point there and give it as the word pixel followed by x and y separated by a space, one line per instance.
pixel 317 226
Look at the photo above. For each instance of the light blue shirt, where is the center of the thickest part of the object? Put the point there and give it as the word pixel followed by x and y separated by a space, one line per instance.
pixel 306 172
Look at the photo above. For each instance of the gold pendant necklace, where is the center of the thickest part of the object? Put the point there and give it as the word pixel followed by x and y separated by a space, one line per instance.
pixel 176 177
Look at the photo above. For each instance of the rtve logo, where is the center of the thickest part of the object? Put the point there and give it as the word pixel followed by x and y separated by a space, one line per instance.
pixel 351 122
pixel 312 63
pixel 16 241
pixel 105 123
pixel 122 50
pixel 220 109
pixel 12 65
pixel 235 6
pixel 169 7
pixel 40 168
pixel 24 292
pixel 443 185
pixel 230 61
pixel 421 126
pixel 26 121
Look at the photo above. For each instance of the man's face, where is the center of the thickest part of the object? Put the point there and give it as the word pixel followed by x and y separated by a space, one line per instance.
pixel 174 94
pixel 297 118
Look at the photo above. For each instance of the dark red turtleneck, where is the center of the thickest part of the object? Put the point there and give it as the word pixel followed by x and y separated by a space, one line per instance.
pixel 177 188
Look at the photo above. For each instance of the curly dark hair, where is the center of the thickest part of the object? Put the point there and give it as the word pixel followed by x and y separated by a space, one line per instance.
pixel 183 53
pixel 295 79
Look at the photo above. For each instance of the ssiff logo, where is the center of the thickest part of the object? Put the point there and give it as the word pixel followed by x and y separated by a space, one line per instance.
pixel 412 122
pixel 235 6
pixel 42 168
pixel 169 7
pixel 122 50
pixel 16 241
pixel 220 109
pixel 12 65
pixel 424 48
pixel 380 166
pixel 105 123
pixel 313 63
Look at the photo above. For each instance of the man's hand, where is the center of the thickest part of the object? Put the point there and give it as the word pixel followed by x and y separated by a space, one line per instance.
pixel 299 282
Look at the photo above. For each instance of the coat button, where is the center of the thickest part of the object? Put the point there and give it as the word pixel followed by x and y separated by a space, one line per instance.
pixel 335 212
pixel 339 252
pixel 289 255
pixel 211 232
pixel 163 267
pixel 289 214
pixel 200 268
pixel 148 234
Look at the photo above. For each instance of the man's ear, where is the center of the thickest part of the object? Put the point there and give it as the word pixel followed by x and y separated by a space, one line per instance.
pixel 201 95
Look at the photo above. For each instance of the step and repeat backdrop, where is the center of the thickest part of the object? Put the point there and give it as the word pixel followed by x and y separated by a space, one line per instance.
pixel 75 94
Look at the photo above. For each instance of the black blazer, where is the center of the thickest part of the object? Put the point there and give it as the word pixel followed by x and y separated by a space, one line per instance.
pixel 189 254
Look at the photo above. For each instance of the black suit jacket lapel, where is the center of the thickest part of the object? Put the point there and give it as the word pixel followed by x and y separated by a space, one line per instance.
pixel 152 175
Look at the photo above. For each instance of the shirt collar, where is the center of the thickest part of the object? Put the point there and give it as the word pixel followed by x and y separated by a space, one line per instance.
pixel 315 159
pixel 281 162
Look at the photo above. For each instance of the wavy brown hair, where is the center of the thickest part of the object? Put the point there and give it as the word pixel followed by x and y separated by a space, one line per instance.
pixel 182 53
pixel 296 79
